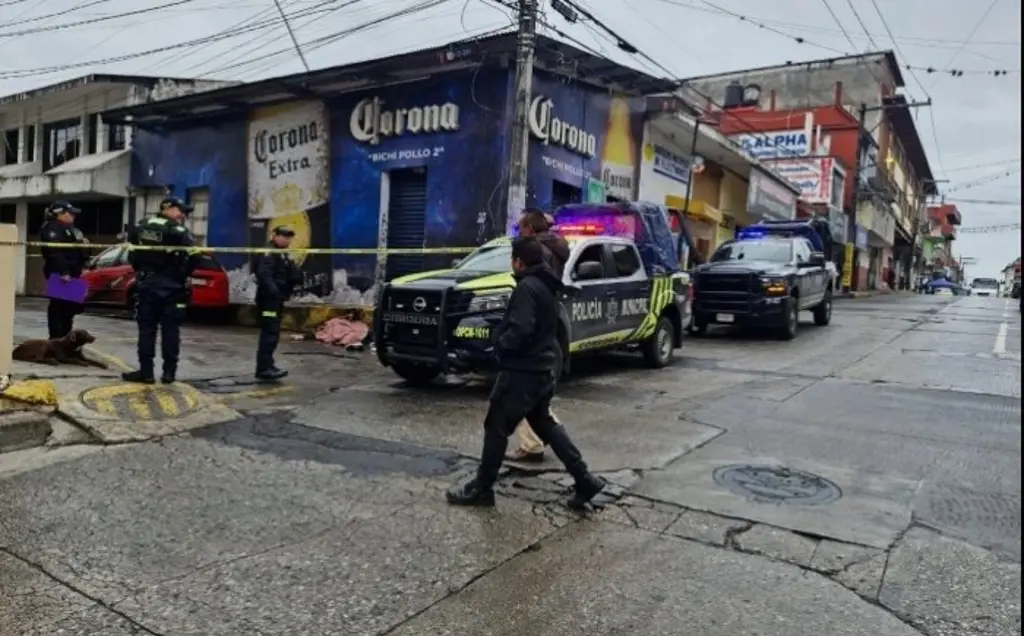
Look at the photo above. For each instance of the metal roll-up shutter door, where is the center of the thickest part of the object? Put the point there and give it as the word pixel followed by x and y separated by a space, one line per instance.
pixel 407 218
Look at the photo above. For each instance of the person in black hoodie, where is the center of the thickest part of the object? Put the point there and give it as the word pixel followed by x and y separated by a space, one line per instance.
pixel 526 346
pixel 535 223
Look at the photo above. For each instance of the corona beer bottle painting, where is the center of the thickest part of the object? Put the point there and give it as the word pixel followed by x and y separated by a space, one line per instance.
pixel 288 211
pixel 618 158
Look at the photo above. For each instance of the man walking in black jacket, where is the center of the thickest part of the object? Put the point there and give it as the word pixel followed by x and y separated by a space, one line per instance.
pixel 535 223
pixel 277 275
pixel 526 347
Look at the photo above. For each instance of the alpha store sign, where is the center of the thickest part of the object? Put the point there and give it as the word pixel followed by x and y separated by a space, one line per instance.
pixel 370 122
pixel 551 130
pixel 768 199
pixel 775 145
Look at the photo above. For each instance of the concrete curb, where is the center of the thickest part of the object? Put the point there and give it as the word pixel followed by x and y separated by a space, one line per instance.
pixel 25 410
pixel 23 429
pixel 305 318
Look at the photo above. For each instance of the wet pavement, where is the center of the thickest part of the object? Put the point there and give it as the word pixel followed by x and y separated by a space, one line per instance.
pixel 864 478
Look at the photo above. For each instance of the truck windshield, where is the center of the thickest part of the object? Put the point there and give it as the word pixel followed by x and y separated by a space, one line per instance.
pixel 775 251
pixel 988 283
pixel 496 258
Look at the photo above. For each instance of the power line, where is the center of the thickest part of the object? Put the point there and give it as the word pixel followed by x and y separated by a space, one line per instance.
pixel 56 14
pixel 986 201
pixel 985 180
pixel 106 18
pixel 979 166
pixel 959 72
pixel 291 34
pixel 864 27
pixel 839 23
pixel 977 25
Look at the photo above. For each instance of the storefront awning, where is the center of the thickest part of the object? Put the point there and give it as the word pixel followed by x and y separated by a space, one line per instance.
pixel 103 174
pixel 698 210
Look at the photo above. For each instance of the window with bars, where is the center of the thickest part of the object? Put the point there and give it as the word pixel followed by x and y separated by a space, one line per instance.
pixel 62 142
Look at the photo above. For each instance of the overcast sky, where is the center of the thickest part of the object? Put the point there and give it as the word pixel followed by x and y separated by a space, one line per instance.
pixel 977 117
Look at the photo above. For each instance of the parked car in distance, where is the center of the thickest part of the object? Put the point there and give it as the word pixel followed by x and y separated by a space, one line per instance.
pixel 111 282
pixel 985 287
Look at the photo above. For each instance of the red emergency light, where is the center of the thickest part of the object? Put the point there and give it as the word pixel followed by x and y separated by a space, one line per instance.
pixel 580 229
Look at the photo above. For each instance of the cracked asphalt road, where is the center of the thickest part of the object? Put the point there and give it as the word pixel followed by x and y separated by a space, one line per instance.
pixel 320 510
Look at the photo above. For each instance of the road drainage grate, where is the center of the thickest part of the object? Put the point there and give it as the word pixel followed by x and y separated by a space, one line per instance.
pixel 777 485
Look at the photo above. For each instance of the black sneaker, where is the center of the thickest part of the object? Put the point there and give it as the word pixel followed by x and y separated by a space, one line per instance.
pixel 168 377
pixel 469 494
pixel 271 374
pixel 586 489
pixel 138 377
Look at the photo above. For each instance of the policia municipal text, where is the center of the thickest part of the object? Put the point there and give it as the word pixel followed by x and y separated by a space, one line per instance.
pixel 64 262
pixel 161 286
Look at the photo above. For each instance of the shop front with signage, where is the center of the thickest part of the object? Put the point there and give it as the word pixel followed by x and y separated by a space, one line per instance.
pixel 669 175
pixel 822 185
pixel 410 166
pixel 768 199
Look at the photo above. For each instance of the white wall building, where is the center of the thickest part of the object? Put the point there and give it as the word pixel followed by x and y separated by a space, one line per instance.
pixel 56 147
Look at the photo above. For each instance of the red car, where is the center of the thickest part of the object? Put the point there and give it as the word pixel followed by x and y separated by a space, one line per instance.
pixel 111 281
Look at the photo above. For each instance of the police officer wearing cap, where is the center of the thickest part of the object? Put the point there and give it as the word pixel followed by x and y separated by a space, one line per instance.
pixel 277 276
pixel 161 286
pixel 65 262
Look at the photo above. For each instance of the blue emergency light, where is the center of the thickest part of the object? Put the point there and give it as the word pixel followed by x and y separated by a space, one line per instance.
pixel 750 234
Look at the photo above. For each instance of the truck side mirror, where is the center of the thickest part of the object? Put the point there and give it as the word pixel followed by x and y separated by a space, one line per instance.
pixel 817 259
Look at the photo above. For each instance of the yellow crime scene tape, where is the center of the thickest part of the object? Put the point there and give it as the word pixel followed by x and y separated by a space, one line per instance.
pixel 369 251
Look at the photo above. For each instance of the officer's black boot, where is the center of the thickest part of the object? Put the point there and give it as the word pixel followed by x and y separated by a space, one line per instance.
pixel 588 485
pixel 169 375
pixel 273 373
pixel 139 377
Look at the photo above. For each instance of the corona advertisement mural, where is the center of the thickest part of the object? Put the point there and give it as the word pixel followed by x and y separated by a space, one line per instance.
pixel 581 134
pixel 289 184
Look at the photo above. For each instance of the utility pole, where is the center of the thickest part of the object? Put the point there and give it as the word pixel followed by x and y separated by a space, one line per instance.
pixel 862 147
pixel 520 146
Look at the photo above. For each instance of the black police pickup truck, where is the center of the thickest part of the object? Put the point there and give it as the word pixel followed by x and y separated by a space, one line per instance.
pixel 764 279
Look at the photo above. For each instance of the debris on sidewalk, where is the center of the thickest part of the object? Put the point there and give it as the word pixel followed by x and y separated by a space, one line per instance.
pixel 343 332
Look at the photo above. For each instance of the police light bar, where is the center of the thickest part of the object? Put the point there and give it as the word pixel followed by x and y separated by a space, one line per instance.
pixel 751 234
pixel 580 229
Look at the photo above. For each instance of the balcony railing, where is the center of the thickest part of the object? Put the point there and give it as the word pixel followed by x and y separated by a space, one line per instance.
pixel 875 180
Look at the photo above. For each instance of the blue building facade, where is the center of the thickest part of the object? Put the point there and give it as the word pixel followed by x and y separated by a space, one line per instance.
pixel 417 165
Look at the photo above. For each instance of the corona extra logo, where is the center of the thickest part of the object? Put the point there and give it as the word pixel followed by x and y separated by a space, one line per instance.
pixel 549 129
pixel 369 122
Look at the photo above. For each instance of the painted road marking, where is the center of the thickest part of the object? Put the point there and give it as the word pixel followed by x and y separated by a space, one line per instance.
pixel 1000 346
pixel 111 360
pixel 141 401
pixel 256 393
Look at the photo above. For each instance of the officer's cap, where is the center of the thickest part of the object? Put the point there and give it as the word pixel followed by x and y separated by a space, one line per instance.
pixel 284 230
pixel 175 202
pixel 60 207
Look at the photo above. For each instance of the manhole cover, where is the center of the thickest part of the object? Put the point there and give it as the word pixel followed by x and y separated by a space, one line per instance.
pixel 774 484
pixel 140 401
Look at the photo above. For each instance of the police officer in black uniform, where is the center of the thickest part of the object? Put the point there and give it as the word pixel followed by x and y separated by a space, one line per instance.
pixel 65 262
pixel 277 276
pixel 161 286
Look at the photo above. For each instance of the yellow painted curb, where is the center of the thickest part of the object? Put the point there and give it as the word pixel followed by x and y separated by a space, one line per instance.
pixel 42 392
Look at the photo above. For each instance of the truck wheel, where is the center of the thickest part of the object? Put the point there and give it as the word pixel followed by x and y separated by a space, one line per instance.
pixel 823 312
pixel 788 329
pixel 658 349
pixel 415 374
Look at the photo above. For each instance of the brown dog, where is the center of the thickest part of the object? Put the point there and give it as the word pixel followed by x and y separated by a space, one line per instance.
pixel 66 350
